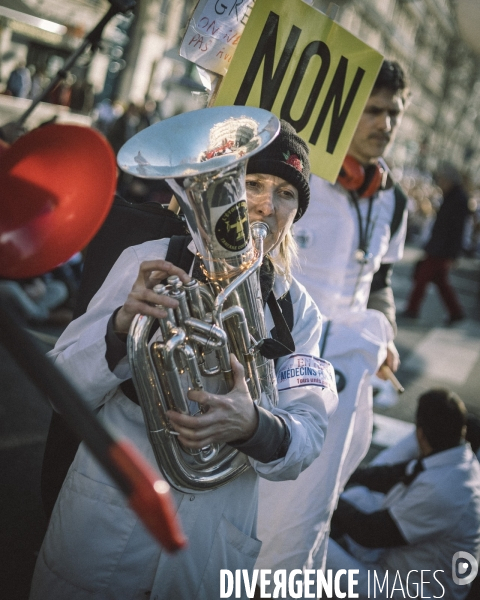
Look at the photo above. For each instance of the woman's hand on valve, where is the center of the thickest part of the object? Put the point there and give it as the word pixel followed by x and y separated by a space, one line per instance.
pixel 142 299
pixel 226 418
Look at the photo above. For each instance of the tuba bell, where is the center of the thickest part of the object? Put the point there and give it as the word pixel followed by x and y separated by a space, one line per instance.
pixel 203 156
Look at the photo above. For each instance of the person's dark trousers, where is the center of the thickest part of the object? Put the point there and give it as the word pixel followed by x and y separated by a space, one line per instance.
pixel 434 269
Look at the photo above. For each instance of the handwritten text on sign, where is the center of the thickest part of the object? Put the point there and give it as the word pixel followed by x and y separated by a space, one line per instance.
pixel 305 68
pixel 214 32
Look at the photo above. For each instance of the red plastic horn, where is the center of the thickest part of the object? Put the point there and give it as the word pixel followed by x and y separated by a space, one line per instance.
pixel 57 184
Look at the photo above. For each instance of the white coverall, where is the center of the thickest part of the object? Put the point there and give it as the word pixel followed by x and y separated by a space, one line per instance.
pixel 294 516
pixel 95 547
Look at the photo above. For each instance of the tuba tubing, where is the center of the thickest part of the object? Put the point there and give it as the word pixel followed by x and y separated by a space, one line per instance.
pixel 156 376
pixel 193 344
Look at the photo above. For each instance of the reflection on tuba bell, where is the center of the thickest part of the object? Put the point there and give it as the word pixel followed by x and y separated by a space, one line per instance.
pixel 203 155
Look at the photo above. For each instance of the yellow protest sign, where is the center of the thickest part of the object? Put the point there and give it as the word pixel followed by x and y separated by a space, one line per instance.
pixel 302 66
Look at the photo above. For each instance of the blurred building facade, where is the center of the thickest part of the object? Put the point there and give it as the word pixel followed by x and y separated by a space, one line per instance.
pixel 443 119
pixel 139 59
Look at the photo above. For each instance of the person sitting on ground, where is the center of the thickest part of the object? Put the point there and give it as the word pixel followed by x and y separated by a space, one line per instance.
pixel 407 447
pixel 420 512
pixel 34 299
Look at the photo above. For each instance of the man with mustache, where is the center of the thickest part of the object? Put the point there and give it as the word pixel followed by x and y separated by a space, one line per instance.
pixel 355 231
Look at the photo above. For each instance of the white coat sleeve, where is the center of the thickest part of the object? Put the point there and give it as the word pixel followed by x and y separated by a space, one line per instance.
pixel 80 350
pixel 305 410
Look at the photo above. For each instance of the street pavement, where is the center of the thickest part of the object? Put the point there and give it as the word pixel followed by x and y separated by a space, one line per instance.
pixel 431 354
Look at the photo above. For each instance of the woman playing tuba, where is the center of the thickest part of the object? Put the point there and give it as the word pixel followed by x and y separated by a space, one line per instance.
pixel 95 547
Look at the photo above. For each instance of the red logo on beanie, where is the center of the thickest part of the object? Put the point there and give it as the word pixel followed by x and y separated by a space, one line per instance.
pixel 294 161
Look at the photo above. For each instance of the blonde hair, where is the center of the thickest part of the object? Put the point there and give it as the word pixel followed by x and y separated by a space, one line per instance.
pixel 285 257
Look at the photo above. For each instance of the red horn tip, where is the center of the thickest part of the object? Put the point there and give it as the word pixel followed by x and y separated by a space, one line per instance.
pixel 58 183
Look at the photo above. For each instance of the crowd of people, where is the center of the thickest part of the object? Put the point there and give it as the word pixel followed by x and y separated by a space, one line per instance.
pixel 31 81
pixel 51 297
pixel 326 290
pixel 116 121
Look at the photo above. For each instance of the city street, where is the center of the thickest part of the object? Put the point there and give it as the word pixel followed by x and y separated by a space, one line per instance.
pixel 432 355
pixel 346 75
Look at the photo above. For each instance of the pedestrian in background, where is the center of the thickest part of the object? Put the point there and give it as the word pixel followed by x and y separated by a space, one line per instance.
pixel 82 97
pixel 19 82
pixel 443 247
pixel 105 114
pixel 125 127
pixel 40 80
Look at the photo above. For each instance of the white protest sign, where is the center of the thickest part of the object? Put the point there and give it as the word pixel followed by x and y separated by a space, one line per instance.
pixel 214 31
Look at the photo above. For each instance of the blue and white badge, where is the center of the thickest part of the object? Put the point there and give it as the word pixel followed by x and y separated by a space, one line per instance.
pixel 304 369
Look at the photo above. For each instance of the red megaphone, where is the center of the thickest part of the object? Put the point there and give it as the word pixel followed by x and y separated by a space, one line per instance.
pixel 57 185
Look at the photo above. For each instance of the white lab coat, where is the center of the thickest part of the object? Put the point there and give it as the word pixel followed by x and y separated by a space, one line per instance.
pixel 294 517
pixel 438 514
pixel 95 546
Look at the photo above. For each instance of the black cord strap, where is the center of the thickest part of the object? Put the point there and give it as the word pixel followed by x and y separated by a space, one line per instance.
pixel 364 233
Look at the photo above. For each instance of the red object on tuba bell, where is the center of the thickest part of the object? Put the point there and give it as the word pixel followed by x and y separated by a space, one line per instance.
pixel 54 182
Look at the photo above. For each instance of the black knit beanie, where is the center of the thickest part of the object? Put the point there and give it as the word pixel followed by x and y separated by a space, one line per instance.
pixel 286 157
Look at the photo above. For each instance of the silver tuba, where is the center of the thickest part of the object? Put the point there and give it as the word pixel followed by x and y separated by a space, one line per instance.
pixel 203 156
